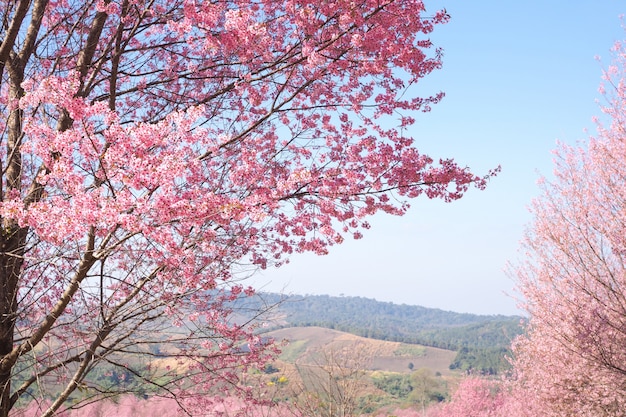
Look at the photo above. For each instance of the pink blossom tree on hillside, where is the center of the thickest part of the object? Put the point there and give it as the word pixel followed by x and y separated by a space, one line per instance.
pixel 480 397
pixel 155 150
pixel 475 397
pixel 572 360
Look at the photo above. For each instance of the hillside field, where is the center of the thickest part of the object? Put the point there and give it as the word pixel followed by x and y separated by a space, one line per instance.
pixel 304 342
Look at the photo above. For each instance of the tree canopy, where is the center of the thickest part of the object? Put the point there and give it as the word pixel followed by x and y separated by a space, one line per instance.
pixel 574 276
pixel 154 152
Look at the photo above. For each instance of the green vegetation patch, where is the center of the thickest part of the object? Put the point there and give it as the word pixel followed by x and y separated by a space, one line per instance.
pixel 293 350
pixel 419 387
pixel 482 361
pixel 413 351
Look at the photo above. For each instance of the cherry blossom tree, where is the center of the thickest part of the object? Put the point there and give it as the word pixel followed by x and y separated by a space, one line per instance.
pixel 332 380
pixel 481 397
pixel 475 397
pixel 573 279
pixel 157 151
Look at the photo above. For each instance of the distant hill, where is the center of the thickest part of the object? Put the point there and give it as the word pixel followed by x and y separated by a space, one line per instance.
pixel 480 340
pixel 385 355
pixel 395 322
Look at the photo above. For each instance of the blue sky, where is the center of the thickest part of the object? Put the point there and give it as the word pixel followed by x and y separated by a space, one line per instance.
pixel 517 76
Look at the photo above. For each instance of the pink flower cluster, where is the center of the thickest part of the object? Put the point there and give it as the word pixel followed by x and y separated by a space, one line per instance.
pixel 156 152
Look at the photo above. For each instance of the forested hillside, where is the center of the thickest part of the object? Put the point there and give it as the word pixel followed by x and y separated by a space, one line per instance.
pixel 482 341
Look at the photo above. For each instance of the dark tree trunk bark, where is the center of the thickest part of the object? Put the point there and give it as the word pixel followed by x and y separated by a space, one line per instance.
pixel 11 259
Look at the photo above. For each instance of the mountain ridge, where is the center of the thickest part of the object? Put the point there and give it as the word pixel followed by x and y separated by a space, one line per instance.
pixel 481 341
pixel 389 321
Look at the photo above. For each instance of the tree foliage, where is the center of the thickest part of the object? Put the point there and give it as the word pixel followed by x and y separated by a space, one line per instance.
pixel 574 277
pixel 479 397
pixel 155 150
pixel 486 361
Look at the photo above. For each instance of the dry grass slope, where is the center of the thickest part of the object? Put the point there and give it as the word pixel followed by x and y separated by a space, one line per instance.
pixel 304 342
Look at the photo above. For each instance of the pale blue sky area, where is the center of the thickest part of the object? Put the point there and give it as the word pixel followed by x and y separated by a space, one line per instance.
pixel 518 75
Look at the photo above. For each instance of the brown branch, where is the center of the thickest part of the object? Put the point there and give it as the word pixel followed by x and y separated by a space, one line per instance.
pixel 106 329
pixel 28 47
pixel 38 375
pixel 29 344
pixel 9 41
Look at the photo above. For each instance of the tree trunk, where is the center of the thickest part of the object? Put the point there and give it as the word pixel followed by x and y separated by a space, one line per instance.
pixel 11 251
pixel 12 239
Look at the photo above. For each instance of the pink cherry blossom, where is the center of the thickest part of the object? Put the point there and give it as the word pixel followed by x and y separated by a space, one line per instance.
pixel 573 279
pixel 156 152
